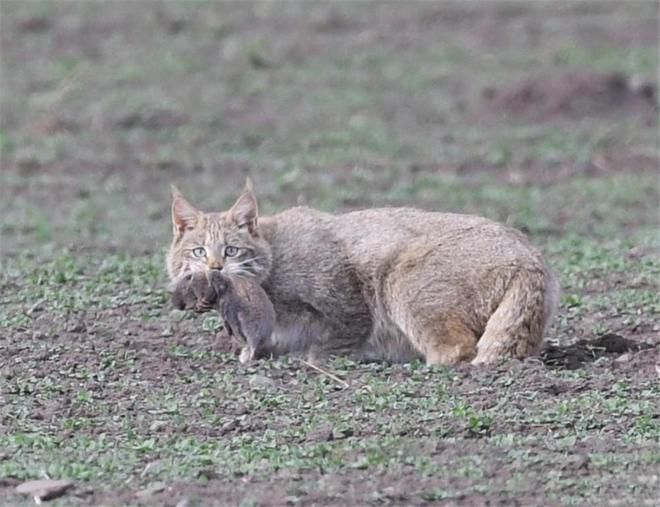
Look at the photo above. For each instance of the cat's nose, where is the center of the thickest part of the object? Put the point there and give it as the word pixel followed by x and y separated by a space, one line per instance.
pixel 215 263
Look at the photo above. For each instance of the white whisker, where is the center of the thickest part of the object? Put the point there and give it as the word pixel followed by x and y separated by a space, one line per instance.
pixel 239 271
pixel 248 260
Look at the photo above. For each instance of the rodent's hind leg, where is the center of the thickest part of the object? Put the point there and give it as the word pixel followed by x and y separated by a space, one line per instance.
pixel 247 354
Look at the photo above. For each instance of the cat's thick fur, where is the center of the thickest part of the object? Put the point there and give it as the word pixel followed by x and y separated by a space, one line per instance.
pixel 389 284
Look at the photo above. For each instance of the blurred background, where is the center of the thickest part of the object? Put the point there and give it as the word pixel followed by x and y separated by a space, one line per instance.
pixel 543 115
pixel 539 114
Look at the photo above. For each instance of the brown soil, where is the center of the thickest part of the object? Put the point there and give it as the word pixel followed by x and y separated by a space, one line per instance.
pixel 572 95
pixel 585 351
pixel 618 358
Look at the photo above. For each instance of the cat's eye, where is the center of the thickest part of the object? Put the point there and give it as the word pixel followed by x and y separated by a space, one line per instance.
pixel 200 251
pixel 230 251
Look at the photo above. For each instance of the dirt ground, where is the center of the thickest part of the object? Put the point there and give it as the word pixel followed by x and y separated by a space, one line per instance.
pixel 543 116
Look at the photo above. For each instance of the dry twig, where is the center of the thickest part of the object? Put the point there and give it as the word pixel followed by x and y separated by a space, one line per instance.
pixel 332 376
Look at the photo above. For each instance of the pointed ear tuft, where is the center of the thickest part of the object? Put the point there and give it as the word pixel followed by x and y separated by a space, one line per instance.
pixel 245 211
pixel 184 214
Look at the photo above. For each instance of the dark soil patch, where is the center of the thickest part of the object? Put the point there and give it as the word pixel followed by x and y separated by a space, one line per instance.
pixel 152 120
pixel 34 24
pixel 573 95
pixel 513 398
pixel 585 351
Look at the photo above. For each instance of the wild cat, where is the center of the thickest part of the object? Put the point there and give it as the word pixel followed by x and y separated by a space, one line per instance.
pixel 379 284
pixel 244 306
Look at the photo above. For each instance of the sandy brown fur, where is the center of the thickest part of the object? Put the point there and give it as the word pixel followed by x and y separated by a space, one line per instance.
pixel 390 284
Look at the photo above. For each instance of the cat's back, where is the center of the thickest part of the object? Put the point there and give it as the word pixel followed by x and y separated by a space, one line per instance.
pixel 302 237
pixel 316 250
pixel 367 224
pixel 300 221
pixel 375 233
pixel 382 231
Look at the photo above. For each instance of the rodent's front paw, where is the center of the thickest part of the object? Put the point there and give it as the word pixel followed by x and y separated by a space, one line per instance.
pixel 193 291
pixel 203 305
pixel 204 291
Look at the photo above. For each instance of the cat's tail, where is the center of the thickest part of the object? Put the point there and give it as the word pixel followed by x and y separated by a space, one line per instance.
pixel 517 326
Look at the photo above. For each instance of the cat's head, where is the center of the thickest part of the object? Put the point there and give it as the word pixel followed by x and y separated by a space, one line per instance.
pixel 230 241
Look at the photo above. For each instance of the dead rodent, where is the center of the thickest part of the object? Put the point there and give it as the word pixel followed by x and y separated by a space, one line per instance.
pixel 194 291
pixel 247 311
pixel 244 306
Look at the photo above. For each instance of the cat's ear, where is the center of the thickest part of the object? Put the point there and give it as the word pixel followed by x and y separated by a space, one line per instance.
pixel 244 212
pixel 184 214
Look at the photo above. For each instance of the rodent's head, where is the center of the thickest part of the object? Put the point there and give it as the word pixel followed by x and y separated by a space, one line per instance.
pixel 230 241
